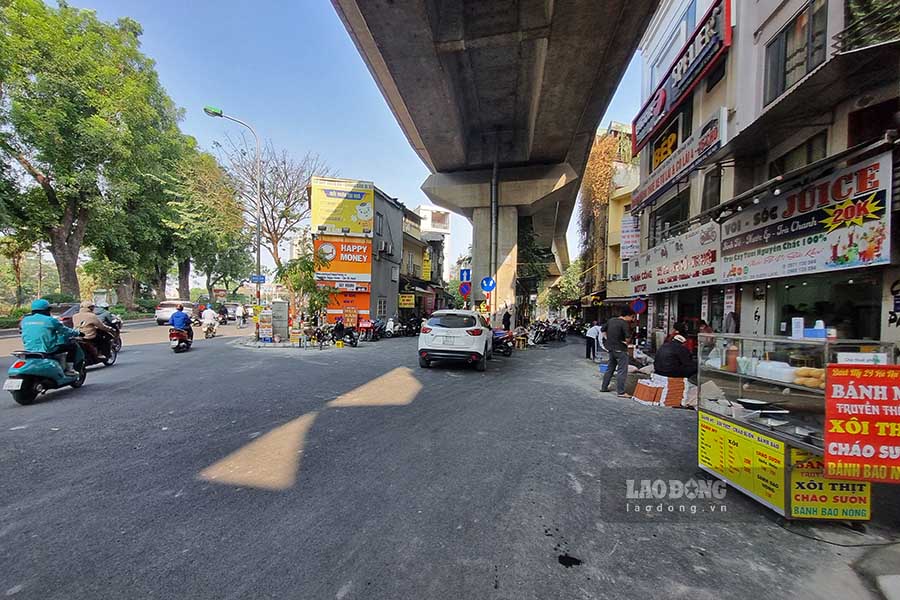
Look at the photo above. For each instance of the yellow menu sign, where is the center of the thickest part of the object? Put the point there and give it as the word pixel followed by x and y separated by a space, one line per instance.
pixel 814 497
pixel 749 461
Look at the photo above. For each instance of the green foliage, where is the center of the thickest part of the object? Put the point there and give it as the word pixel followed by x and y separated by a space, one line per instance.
pixel 18 313
pixel 567 289
pixel 533 258
pixel 146 305
pixel 84 115
pixel 299 275
pixel 60 298
pixel 9 322
pixel 453 290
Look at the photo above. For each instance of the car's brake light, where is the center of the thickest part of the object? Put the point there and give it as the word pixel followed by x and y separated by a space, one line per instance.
pixel 425 329
pixel 474 331
pixel 159 307
pixel 18 364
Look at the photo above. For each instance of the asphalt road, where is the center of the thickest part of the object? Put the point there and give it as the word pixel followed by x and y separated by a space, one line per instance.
pixel 230 472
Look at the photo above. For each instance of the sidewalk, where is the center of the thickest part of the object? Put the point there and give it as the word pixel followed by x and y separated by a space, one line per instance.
pixel 871 551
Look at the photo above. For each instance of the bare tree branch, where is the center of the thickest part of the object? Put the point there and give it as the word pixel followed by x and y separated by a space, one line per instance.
pixel 284 195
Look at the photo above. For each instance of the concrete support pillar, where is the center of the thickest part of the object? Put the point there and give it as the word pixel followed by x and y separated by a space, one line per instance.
pixel 507 257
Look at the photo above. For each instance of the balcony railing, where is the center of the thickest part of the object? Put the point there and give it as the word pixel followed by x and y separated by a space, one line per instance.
pixel 869 22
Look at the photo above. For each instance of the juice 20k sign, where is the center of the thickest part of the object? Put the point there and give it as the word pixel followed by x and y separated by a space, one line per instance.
pixel 862 423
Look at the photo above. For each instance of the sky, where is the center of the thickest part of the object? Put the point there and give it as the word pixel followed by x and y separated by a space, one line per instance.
pixel 290 69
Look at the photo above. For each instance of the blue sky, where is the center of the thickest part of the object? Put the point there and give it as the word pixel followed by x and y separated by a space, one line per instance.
pixel 290 69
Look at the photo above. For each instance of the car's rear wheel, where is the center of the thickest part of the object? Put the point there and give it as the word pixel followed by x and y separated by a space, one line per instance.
pixel 158 322
pixel 424 362
pixel 481 365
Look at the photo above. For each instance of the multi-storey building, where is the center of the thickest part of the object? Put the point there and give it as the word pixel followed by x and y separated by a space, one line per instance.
pixel 767 151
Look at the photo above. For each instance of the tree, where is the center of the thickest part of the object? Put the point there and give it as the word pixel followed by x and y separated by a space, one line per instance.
pixel 226 261
pixel 82 114
pixel 14 248
pixel 567 289
pixel 284 189
pixel 299 276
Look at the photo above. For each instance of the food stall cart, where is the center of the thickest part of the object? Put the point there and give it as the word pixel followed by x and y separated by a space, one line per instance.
pixel 761 420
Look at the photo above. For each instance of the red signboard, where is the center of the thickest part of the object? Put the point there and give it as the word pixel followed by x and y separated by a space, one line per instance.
pixel 703 50
pixel 862 423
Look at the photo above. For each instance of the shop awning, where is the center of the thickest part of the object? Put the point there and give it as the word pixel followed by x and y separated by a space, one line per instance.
pixel 846 75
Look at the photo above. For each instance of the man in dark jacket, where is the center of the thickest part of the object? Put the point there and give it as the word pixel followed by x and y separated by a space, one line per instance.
pixel 673 359
pixel 618 332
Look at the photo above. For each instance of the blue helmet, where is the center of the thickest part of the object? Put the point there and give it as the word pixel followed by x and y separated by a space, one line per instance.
pixel 40 304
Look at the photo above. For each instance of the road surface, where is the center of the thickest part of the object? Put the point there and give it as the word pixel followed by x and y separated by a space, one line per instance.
pixel 230 472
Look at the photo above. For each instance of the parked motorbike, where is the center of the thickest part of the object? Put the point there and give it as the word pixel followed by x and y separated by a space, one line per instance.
pixel 179 340
pixel 350 337
pixel 392 328
pixel 503 342
pixel 413 325
pixel 378 330
pixel 33 373
pixel 322 336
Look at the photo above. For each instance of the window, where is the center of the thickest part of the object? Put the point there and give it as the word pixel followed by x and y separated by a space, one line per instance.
pixel 624 268
pixel 712 188
pixel 381 307
pixel 395 273
pixel 379 223
pixel 871 122
pixel 452 321
pixel 813 149
pixel 668 217
pixel 796 50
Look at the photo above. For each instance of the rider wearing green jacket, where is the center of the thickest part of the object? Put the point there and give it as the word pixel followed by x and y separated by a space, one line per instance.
pixel 43 333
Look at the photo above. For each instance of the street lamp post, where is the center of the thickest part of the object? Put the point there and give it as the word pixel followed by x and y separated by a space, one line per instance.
pixel 217 112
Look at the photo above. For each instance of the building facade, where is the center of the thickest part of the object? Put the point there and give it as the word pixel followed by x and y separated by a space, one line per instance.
pixel 767 152
pixel 387 250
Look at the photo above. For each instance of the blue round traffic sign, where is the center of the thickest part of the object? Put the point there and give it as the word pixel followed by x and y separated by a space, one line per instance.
pixel 639 305
pixel 465 288
pixel 488 284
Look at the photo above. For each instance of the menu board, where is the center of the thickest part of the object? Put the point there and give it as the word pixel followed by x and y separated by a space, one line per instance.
pixel 750 461
pixel 814 497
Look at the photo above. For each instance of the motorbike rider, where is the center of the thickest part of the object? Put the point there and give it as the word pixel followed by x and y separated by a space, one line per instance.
pixel 182 320
pixel 43 333
pixel 223 313
pixel 92 328
pixel 338 331
pixel 209 317
pixel 102 311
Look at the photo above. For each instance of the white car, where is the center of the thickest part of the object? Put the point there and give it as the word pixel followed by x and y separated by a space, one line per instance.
pixel 455 335
pixel 165 309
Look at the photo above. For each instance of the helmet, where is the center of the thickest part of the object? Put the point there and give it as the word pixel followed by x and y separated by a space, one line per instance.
pixel 40 304
pixel 87 304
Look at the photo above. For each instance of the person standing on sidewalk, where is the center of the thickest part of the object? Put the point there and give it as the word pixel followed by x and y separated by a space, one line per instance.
pixel 590 341
pixel 618 331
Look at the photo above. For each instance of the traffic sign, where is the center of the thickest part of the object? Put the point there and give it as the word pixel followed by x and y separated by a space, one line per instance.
pixel 488 284
pixel 465 274
pixel 639 305
pixel 465 288
pixel 257 279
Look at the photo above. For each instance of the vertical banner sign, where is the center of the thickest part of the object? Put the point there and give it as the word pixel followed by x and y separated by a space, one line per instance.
pixel 651 313
pixel 841 221
pixel 730 304
pixel 426 264
pixel 862 416
pixel 630 242
pixel 704 304
pixel 342 206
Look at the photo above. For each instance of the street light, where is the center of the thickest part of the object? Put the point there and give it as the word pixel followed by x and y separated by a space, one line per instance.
pixel 212 111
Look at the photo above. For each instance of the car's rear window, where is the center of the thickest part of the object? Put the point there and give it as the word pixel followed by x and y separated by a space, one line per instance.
pixel 174 304
pixel 451 321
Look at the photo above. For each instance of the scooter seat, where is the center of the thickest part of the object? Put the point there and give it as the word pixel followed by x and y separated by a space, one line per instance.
pixel 26 354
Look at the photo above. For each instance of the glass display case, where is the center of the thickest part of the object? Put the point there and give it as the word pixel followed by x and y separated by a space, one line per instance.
pixel 761 413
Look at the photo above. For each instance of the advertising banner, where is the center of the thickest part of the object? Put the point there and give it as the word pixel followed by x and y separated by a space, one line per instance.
pixel 838 222
pixel 630 242
pixel 341 302
pixel 748 460
pixel 707 44
pixel 862 416
pixel 815 497
pixel 426 264
pixel 342 206
pixel 692 151
pixel 689 260
pixel 349 259
pixel 406 301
